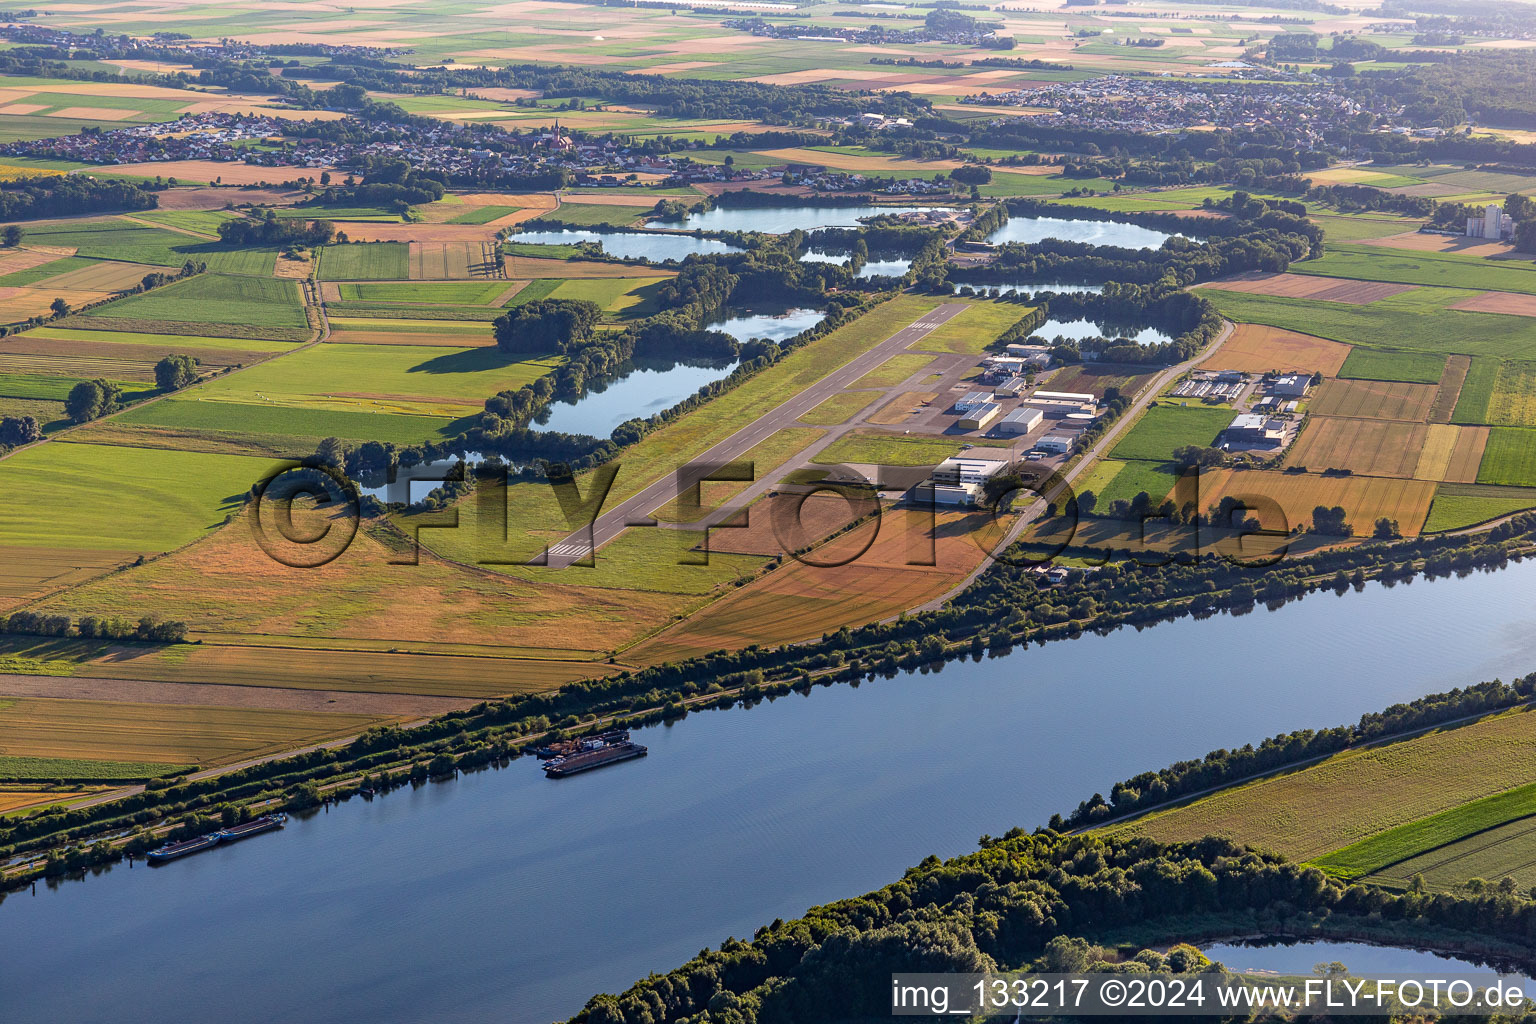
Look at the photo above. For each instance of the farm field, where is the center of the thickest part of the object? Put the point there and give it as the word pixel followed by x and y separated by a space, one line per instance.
pixel 1283 500
pixel 396 379
pixel 1408 367
pixel 1451 454
pixel 622 297
pixel 1401 326
pixel 1295 285
pixel 231 421
pixel 1346 798
pixel 1163 428
pixel 1510 457
pixel 228 588
pixel 1254 348
pixel 1373 399
pixel 239 302
pixel 161 733
pixel 467 293
pixel 1445 270
pixel 48 768
pixel 365 261
pixel 1456 507
pixel 104 498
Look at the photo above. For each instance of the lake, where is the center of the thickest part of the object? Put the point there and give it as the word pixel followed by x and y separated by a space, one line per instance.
pixel 509 896
pixel 1362 959
pixel 777 220
pixel 1032 288
pixel 1077 330
pixel 871 268
pixel 656 246
pixel 647 387
pixel 775 325
pixel 1093 232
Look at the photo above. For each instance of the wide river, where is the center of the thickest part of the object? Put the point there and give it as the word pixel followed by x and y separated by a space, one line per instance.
pixel 507 896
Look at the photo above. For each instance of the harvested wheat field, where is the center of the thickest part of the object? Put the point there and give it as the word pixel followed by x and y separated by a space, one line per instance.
pixel 227 584
pixel 209 198
pixel 15 800
pixel 1499 302
pixel 12 260
pixel 1451 454
pixel 1285 500
pixel 1417 242
pixel 27 573
pixel 1368 447
pixel 208 171
pixel 1374 399
pixel 101 276
pixel 1254 348
pixel 23 303
pixel 383 231
pixel 1302 286
pixel 800 601
pixel 438 340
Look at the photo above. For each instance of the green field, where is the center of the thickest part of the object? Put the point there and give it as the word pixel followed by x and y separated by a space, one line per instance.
pixel 54 389
pixel 1164 428
pixel 1400 322
pixel 215 298
pixel 446 292
pixel 365 261
pixel 1385 849
pixel 384 311
pixel 235 419
pixel 595 214
pixel 893 371
pixel 1445 270
pixel 971 331
pixel 123 240
pixel 621 296
pixel 73 768
pixel 43 272
pixel 1375 364
pixel 892 449
pixel 100 497
pixel 483 214
pixel 1136 476
pixel 1460 505
pixel 408 379
pixel 1477 391
pixel 1510 457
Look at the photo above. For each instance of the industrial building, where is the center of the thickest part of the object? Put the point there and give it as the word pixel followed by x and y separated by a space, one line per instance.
pixel 971 401
pixel 1010 388
pixel 1494 224
pixel 1060 403
pixel 1250 428
pixel 1292 385
pixel 1056 444
pixel 959 481
pixel 1019 422
pixel 980 416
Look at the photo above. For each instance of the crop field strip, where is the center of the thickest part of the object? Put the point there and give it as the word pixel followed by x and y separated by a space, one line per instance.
pixel 1367 447
pixel 1255 348
pixel 1509 458
pixel 1389 400
pixel 1442 270
pixel 1295 495
pixel 1451 454
pixel 105 730
pixel 1357 794
pixel 1457 505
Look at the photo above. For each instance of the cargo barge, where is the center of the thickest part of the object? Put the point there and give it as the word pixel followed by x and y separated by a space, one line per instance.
pixel 256 826
pixel 565 748
pixel 589 759
pixel 170 851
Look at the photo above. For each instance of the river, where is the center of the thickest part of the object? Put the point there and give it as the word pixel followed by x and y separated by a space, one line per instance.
pixel 508 896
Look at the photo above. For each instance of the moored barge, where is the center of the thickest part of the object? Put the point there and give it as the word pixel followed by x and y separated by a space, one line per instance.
pixel 256 826
pixel 589 759
pixel 170 851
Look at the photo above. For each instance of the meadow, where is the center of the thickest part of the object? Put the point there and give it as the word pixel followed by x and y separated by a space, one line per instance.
pixel 1387 323
pixel 1163 428
pixel 1395 845
pixel 971 331
pixel 1408 367
pixel 99 497
pixel 1458 506
pixel 215 298
pixel 1510 457
pixel 469 293
pixel 365 261
pixel 47 768
pixel 893 449
pixel 1445 270
pixel 234 421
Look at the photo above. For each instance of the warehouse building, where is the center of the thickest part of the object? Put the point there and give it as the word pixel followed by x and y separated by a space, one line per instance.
pixel 1019 422
pixel 980 416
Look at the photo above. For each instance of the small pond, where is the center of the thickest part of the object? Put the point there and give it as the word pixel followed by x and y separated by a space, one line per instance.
pixel 1077 330
pixel 777 220
pixel 871 268
pixel 1361 958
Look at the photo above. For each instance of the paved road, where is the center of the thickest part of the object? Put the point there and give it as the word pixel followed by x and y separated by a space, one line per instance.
pixel 1101 448
pixel 634 511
